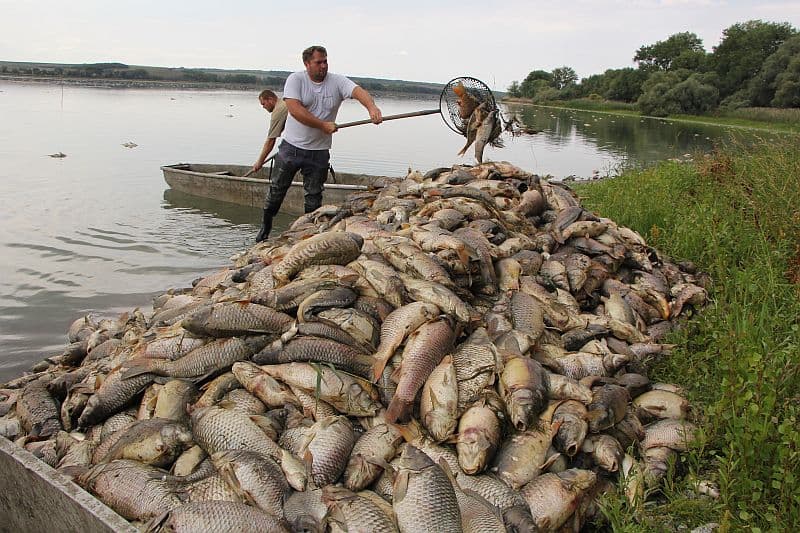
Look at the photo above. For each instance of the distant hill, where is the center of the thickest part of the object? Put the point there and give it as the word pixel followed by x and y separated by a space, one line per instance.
pixel 272 79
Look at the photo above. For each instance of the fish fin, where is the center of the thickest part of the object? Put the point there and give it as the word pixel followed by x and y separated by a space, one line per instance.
pixel 452 439
pixel 308 461
pixel 378 366
pixel 410 432
pixel 156 522
pixel 378 461
pixel 549 462
pixel 400 485
pixel 398 409
pixel 447 471
pixel 137 369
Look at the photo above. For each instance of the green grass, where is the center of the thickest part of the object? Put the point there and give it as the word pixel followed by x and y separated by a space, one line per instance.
pixel 736 214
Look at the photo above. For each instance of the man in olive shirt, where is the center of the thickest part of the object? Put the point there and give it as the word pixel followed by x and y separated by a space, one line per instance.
pixel 278 112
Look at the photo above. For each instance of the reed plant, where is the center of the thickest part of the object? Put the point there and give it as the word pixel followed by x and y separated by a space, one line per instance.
pixel 736 214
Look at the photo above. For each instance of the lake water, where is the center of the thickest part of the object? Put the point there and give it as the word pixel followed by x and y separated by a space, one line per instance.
pixel 98 231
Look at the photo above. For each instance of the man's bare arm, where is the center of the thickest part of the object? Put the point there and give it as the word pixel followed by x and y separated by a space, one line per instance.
pixel 304 116
pixel 366 100
pixel 269 144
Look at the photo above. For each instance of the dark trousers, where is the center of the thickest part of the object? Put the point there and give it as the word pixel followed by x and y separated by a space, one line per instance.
pixel 313 165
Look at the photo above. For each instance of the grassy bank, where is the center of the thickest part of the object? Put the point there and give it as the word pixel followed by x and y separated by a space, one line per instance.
pixel 736 214
pixel 758 118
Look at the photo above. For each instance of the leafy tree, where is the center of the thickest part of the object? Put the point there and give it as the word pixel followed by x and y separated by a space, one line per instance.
pixel 513 89
pixel 682 50
pixel 624 84
pixel 594 84
pixel 787 85
pixel 678 91
pixel 694 97
pixel 562 77
pixel 744 48
pixel 535 80
pixel 763 86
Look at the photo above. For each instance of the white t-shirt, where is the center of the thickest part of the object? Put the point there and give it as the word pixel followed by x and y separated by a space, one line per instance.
pixel 322 100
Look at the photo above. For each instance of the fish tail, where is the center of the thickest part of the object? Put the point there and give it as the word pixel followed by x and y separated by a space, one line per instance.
pixel 398 409
pixel 379 365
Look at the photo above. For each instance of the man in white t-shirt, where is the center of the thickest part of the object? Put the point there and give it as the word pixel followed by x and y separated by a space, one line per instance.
pixel 313 98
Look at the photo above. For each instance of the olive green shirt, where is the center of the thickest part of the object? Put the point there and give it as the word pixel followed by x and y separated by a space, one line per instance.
pixel 278 120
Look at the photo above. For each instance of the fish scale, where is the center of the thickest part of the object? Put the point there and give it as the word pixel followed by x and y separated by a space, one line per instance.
pixel 214 356
pixel 424 349
pixel 220 516
pixel 133 490
pixel 217 430
pixel 238 318
pixel 313 349
pixel 328 444
pixel 325 248
pixel 424 498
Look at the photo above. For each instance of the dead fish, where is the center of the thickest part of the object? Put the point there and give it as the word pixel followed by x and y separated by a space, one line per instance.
pixel 480 430
pixel 349 394
pixel 438 295
pixel 327 248
pixel 523 389
pixel 523 456
pixel 38 411
pixel 608 406
pixel 201 362
pixel 216 516
pixel 262 385
pixel 114 394
pixel 257 478
pixel 237 318
pixel 326 447
pixel 424 498
pixel 316 350
pixel 133 490
pixel 424 350
pixel 375 447
pixel 214 390
pixel 484 134
pixel 553 498
pixel 351 511
pixel 438 406
pixel 156 442
pixel 573 429
pixel 305 511
pixel 396 327
pixel 660 404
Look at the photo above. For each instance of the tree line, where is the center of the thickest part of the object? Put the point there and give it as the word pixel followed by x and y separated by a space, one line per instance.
pixel 756 64
pixel 271 79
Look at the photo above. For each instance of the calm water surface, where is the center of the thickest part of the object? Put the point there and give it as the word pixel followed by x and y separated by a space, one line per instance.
pixel 99 231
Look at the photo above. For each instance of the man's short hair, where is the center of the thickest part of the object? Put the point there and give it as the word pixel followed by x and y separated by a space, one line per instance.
pixel 266 93
pixel 308 52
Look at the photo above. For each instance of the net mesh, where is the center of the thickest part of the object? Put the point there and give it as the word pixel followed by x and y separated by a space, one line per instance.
pixel 459 99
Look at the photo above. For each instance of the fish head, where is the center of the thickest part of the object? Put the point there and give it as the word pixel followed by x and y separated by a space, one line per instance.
pixel 473 450
pixel 570 437
pixel 523 406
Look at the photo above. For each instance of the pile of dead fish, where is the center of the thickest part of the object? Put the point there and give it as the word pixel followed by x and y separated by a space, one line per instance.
pixel 464 350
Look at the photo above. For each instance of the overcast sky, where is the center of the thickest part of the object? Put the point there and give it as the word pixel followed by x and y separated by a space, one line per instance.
pixel 497 42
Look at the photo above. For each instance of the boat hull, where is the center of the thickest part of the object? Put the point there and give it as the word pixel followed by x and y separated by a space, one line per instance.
pixel 226 183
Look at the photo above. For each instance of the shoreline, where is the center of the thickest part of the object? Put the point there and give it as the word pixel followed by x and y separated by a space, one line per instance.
pixel 112 83
pixel 686 119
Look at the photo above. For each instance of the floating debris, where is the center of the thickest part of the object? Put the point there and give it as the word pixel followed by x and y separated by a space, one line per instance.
pixel 57 155
pixel 287 384
pixel 130 144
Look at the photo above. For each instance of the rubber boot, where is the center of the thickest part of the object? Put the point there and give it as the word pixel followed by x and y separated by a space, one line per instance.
pixel 266 227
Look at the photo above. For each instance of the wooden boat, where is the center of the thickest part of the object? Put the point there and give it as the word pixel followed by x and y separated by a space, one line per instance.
pixel 227 183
